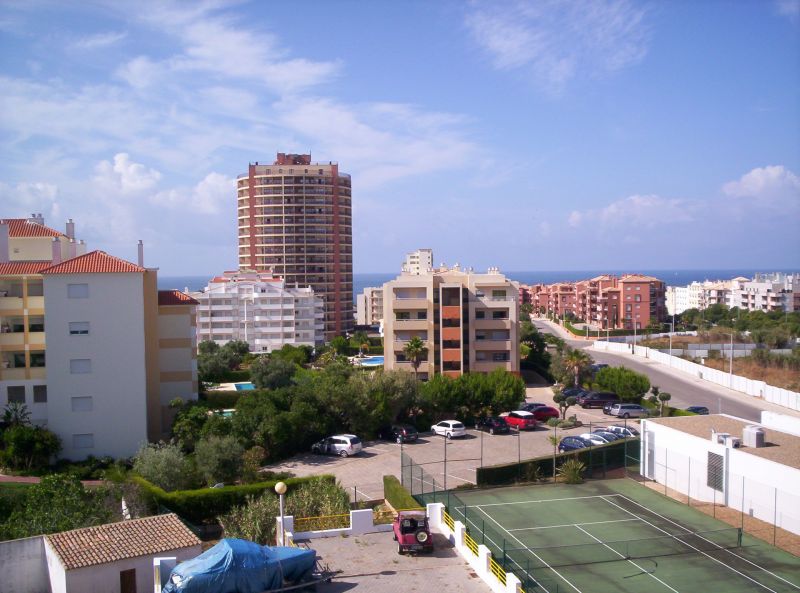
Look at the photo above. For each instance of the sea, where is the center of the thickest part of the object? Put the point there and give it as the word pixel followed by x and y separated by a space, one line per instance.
pixel 671 277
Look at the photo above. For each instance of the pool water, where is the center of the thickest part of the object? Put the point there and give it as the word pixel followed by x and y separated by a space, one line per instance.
pixel 244 386
pixel 371 361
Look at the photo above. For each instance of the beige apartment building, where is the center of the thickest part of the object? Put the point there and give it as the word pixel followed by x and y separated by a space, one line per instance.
pixel 295 220
pixel 468 321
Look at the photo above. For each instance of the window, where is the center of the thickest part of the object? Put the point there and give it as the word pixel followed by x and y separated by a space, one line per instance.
pixel 82 441
pixel 40 394
pixel 82 404
pixel 499 295
pixel 80 366
pixel 37 359
pixel 16 394
pixel 78 291
pixel 499 314
pixel 78 328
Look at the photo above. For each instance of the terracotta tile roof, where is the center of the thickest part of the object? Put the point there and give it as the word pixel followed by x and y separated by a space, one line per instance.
pixel 18 268
pixel 116 541
pixel 174 297
pixel 22 227
pixel 94 262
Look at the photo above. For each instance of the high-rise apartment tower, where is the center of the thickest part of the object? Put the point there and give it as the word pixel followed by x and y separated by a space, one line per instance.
pixel 295 220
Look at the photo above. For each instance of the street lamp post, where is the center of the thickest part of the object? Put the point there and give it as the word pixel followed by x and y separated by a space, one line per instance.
pixel 445 461
pixel 280 488
pixel 482 448
pixel 730 366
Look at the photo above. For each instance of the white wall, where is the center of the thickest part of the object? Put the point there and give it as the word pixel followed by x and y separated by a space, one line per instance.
pixel 781 422
pixel 38 411
pixel 116 347
pixel 23 568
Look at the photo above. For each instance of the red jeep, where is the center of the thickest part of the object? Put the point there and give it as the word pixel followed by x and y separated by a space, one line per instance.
pixel 411 532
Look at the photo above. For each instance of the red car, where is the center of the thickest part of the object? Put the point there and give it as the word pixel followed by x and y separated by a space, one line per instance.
pixel 521 420
pixel 411 532
pixel 544 413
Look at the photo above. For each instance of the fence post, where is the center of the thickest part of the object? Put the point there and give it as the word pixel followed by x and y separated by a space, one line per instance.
pixel 741 508
pixel 689 484
pixel 775 519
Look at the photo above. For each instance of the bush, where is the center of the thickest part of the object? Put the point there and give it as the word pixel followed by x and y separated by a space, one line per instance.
pixel 165 466
pixel 251 462
pixel 272 373
pixel 240 376
pixel 571 471
pixel 220 400
pixel 29 447
pixel 629 385
pixel 218 459
pixel 396 495
pixel 204 505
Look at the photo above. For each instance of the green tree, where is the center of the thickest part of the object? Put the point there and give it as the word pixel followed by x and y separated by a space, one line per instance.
pixel 663 398
pixel 239 348
pixel 29 447
pixel 251 463
pixel 627 384
pixel 577 362
pixel 299 355
pixel 207 347
pixel 564 403
pixel 16 414
pixel 219 459
pixel 415 351
pixel 187 427
pixel 211 368
pixel 340 345
pixel 166 466
pixel 272 373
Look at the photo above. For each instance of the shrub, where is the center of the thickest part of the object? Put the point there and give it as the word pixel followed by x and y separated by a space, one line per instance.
pixel 571 470
pixel 396 495
pixel 29 447
pixel 251 462
pixel 219 459
pixel 165 465
pixel 218 400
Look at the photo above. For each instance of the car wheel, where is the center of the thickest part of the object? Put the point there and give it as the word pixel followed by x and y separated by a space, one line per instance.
pixel 394 536
pixel 342 453
pixel 626 415
pixel 399 440
pixel 491 431
pixel 449 435
pixel 399 549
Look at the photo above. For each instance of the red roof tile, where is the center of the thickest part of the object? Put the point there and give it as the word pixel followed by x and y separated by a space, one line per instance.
pixel 174 297
pixel 22 227
pixel 19 268
pixel 94 262
pixel 116 541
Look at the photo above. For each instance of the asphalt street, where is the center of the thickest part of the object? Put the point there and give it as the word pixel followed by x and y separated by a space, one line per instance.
pixel 685 389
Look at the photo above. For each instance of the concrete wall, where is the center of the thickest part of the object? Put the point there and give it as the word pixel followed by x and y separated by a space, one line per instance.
pixel 781 422
pixel 116 347
pixel 23 568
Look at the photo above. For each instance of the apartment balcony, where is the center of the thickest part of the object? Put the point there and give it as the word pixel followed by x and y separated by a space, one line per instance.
pixel 487 366
pixel 494 302
pixel 12 339
pixel 35 304
pixel 451 312
pixel 451 354
pixel 452 374
pixel 409 303
pixel 492 324
pixel 410 324
pixel 451 333
pixel 493 345
pixel 17 374
pixel 424 366
pixel 11 304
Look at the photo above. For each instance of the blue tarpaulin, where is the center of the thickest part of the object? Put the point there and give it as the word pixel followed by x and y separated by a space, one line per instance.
pixel 240 566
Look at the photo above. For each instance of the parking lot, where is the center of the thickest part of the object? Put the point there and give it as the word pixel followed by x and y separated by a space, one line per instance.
pixel 362 475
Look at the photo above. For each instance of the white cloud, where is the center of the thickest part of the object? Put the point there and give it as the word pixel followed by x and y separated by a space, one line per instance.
pixel 207 197
pixel 772 185
pixel 789 8
pixel 575 218
pixel 641 212
pixel 25 197
pixel 556 41
pixel 99 40
pixel 141 72
pixel 125 176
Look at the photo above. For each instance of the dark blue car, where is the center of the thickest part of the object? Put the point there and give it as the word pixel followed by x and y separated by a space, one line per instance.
pixel 572 444
pixel 702 410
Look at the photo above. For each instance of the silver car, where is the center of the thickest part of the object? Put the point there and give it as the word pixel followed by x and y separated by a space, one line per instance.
pixel 628 411
pixel 342 445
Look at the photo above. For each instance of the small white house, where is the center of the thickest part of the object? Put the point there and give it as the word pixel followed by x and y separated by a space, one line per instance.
pixel 726 460
pixel 116 557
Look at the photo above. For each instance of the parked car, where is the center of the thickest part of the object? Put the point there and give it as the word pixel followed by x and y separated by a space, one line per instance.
pixel 544 413
pixel 343 445
pixel 624 431
pixel 520 419
pixel 449 428
pixel 701 410
pixel 596 399
pixel 628 411
pixel 608 435
pixel 594 368
pixel 594 438
pixel 411 532
pixel 574 391
pixel 492 424
pixel 399 433
pixel 572 444
pixel 531 406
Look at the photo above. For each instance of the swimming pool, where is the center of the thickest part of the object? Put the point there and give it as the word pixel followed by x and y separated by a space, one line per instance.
pixel 244 386
pixel 371 361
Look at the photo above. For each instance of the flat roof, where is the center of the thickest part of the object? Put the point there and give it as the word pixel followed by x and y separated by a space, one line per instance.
pixel 781 447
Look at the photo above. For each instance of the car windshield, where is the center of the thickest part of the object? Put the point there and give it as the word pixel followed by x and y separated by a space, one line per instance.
pixel 457 425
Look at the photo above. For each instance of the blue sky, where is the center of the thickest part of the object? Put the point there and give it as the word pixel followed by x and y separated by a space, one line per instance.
pixel 529 135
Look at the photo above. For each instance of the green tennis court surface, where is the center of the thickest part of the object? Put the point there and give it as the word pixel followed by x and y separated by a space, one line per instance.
pixel 617 535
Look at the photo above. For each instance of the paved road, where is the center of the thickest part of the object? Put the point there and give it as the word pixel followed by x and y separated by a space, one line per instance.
pixel 685 389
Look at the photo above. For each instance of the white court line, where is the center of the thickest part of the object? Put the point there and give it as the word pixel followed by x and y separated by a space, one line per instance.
pixel 532 552
pixel 688 544
pixel 709 541
pixel 500 504
pixel 570 525
pixel 628 559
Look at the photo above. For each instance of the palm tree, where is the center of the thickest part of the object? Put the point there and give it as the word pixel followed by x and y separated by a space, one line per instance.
pixel 577 361
pixel 415 351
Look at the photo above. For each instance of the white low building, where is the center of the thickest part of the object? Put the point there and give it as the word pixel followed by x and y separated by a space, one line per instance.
pixel 259 309
pixel 726 460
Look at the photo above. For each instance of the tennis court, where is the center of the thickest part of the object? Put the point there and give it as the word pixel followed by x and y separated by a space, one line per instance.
pixel 616 535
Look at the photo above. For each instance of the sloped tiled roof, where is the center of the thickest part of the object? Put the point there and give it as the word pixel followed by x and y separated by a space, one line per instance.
pixel 174 297
pixel 94 262
pixel 22 227
pixel 116 541
pixel 19 268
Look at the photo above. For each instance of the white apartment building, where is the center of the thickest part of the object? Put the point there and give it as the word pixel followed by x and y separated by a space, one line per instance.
pixel 418 262
pixel 369 306
pixel 259 309
pixel 765 292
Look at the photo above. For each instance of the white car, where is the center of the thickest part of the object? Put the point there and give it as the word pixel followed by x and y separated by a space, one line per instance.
pixel 593 438
pixel 449 429
pixel 624 431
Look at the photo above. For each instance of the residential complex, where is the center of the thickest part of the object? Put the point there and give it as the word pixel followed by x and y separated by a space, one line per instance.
pixel 468 321
pixel 259 309
pixel 89 344
pixel 418 262
pixel 764 292
pixel 608 302
pixel 295 220
pixel 369 306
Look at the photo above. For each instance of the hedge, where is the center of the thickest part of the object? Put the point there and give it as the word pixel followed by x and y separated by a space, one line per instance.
pixel 593 332
pixel 396 495
pixel 217 400
pixel 204 505
pixel 600 458
pixel 235 376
